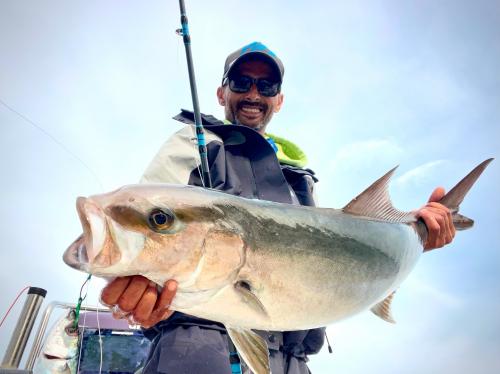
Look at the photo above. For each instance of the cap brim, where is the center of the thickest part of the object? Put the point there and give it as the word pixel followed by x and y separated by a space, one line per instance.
pixel 251 55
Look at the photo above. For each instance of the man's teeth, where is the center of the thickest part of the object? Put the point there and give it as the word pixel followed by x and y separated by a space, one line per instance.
pixel 250 109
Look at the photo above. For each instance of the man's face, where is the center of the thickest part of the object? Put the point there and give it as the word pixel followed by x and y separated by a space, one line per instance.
pixel 251 108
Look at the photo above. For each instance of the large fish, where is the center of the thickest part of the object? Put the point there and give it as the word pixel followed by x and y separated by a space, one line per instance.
pixel 253 264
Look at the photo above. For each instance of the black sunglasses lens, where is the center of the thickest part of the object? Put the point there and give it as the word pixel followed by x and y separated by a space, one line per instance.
pixel 240 84
pixel 267 88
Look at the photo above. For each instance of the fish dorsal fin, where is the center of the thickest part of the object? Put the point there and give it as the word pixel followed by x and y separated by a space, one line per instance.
pixel 375 202
pixel 383 309
pixel 251 348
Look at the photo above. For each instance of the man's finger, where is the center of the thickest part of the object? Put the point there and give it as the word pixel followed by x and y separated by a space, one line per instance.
pixel 157 317
pixel 437 194
pixel 145 306
pixel 112 292
pixel 133 293
pixel 167 295
pixel 433 227
pixel 161 310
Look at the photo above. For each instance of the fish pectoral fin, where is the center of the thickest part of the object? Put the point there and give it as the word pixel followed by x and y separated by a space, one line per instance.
pixel 244 290
pixel 251 348
pixel 383 309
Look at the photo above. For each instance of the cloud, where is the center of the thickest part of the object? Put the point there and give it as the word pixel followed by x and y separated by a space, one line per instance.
pixel 418 173
pixel 431 292
pixel 353 167
pixel 365 152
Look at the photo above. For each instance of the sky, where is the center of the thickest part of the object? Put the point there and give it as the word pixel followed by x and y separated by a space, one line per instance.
pixel 92 87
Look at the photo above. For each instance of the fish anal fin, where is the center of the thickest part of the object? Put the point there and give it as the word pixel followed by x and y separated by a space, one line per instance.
pixel 251 348
pixel 374 202
pixel 383 309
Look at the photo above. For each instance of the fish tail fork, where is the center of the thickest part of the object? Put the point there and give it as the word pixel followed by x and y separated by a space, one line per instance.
pixel 455 196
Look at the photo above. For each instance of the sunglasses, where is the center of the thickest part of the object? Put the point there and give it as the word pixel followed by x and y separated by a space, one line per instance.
pixel 243 83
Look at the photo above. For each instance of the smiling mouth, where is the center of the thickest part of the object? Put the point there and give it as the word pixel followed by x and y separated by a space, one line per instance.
pixel 251 108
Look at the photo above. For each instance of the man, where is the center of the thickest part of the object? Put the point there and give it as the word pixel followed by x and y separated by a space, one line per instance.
pixel 244 161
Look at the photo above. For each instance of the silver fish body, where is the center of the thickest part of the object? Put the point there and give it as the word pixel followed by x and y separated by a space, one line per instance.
pixel 254 264
pixel 301 268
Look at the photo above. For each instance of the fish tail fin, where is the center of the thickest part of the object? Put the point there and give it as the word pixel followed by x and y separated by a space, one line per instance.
pixel 456 195
pixel 374 202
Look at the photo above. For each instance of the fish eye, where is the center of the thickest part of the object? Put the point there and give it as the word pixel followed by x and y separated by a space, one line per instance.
pixel 160 219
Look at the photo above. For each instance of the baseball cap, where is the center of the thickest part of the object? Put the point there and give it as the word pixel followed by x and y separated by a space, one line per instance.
pixel 259 50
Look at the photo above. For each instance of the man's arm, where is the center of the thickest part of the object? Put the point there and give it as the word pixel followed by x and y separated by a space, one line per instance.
pixel 438 220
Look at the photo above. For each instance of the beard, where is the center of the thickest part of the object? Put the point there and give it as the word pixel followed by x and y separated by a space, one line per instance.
pixel 236 114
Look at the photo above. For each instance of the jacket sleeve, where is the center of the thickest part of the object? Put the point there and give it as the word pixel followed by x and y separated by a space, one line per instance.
pixel 176 159
pixel 314 340
pixel 302 342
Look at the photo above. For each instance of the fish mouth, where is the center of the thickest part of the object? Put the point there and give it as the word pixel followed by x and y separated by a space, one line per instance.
pixel 83 251
pixel 76 254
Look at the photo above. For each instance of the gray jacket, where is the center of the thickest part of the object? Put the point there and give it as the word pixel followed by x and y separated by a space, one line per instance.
pixel 243 163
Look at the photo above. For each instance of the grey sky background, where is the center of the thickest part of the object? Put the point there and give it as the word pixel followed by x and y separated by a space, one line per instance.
pixel 368 85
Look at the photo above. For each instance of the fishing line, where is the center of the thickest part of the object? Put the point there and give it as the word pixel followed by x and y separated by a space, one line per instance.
pixel 77 313
pixel 80 300
pixel 87 281
pixel 100 337
pixel 13 303
pixel 54 139
pixel 80 342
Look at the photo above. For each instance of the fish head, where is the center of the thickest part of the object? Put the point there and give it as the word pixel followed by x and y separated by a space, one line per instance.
pixel 60 350
pixel 159 231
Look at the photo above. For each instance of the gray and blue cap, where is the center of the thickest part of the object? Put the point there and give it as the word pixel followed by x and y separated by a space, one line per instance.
pixel 254 50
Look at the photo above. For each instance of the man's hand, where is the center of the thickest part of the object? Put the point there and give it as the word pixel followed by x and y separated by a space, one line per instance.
pixel 438 220
pixel 137 299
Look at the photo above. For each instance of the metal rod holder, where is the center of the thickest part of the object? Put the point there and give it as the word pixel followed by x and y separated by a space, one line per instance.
pixel 22 331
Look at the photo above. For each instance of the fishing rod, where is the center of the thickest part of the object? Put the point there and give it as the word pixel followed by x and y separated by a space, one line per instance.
pixel 200 134
pixel 234 359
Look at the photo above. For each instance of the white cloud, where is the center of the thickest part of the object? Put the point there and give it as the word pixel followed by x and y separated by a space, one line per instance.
pixel 356 165
pixel 433 293
pixel 365 152
pixel 419 173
